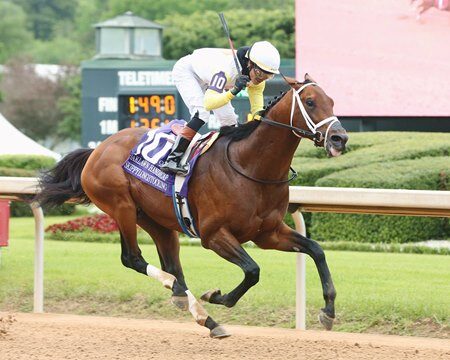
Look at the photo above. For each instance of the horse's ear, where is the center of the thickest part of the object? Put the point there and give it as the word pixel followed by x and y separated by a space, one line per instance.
pixel 309 78
pixel 291 81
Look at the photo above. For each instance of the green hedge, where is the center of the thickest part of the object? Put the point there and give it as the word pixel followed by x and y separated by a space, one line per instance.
pixel 27 162
pixel 17 172
pixel 428 173
pixel 22 209
pixel 379 149
pixel 368 148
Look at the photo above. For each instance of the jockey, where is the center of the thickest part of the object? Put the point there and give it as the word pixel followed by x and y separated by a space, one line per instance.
pixel 208 80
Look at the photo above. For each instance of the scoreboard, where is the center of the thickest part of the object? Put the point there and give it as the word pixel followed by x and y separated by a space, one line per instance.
pixel 123 93
pixel 148 110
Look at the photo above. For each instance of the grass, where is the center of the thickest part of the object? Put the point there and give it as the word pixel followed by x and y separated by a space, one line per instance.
pixel 377 292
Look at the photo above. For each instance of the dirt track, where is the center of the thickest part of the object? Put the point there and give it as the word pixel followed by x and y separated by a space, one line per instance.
pixel 53 336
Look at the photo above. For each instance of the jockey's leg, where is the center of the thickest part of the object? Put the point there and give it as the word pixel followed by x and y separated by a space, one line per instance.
pixel 192 93
pixel 226 116
pixel 173 161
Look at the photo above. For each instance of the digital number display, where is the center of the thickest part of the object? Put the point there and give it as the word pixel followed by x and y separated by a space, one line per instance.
pixel 149 111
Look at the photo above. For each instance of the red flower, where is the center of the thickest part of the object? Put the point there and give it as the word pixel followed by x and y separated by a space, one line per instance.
pixel 101 223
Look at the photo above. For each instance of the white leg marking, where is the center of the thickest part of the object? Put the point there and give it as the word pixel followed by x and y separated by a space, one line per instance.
pixel 197 310
pixel 165 278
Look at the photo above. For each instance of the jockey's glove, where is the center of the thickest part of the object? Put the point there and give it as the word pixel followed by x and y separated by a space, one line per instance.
pixel 241 83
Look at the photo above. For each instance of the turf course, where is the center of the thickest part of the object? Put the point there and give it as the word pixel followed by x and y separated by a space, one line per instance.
pixel 377 292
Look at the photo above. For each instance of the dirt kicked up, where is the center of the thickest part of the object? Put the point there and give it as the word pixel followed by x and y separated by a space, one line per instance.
pixel 54 336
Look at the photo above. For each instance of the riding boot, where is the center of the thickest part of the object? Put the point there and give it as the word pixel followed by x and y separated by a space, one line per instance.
pixel 173 162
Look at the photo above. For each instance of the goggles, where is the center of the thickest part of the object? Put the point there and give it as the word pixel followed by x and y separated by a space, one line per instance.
pixel 260 74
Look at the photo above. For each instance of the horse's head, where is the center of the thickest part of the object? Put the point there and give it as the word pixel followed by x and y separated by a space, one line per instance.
pixel 311 112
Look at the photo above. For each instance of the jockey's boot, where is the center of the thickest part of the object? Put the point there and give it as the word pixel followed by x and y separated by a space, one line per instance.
pixel 173 162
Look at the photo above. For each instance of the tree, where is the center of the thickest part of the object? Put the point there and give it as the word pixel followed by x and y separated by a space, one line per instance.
pixel 183 34
pixel 30 101
pixel 45 15
pixel 14 37
pixel 158 10
pixel 69 106
pixel 60 50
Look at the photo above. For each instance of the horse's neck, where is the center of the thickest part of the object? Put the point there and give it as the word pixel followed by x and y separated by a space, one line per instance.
pixel 267 153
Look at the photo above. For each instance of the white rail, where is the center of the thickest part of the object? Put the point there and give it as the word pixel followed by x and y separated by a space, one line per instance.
pixel 301 198
pixel 14 188
pixel 358 201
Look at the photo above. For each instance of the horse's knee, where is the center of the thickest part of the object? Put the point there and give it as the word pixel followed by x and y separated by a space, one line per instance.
pixel 315 251
pixel 319 254
pixel 252 275
pixel 134 262
pixel 125 261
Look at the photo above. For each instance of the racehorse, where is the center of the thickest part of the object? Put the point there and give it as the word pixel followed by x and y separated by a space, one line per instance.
pixel 238 192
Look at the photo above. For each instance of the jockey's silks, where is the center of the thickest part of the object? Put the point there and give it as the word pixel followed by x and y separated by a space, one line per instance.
pixel 217 70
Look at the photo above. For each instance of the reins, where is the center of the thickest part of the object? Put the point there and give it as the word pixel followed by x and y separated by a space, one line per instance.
pixel 269 182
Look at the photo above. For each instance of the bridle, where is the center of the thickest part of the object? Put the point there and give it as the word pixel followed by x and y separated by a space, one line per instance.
pixel 314 134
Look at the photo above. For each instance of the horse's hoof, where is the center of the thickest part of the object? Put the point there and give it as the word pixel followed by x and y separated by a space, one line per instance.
pixel 326 320
pixel 181 302
pixel 219 332
pixel 207 295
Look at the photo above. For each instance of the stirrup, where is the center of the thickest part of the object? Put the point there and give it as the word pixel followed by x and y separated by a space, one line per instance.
pixel 174 167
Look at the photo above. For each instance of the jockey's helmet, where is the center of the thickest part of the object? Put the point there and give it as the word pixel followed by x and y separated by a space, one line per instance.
pixel 265 56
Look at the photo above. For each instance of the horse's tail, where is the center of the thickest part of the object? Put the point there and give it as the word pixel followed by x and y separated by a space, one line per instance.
pixel 63 182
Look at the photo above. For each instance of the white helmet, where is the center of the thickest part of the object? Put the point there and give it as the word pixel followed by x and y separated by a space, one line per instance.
pixel 265 56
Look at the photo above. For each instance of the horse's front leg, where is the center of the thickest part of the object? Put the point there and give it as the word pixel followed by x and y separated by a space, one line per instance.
pixel 286 239
pixel 225 244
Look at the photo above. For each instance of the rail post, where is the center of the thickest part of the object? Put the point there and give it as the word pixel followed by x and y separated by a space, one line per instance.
pixel 300 283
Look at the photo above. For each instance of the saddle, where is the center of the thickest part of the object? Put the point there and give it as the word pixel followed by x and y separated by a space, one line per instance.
pixel 199 144
pixel 151 152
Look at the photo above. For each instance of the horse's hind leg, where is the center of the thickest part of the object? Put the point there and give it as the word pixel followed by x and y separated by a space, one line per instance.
pixel 168 247
pixel 124 212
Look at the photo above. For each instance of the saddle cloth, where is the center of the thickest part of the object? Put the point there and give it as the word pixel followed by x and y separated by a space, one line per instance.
pixel 151 152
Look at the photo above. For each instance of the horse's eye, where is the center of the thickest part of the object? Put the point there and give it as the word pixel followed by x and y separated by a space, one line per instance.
pixel 310 103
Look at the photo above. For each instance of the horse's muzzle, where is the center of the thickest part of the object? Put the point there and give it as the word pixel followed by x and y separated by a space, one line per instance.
pixel 337 139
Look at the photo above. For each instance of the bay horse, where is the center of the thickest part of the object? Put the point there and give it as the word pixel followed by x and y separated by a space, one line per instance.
pixel 238 192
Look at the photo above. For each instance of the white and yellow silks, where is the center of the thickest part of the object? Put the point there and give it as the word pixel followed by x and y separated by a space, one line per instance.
pixel 214 100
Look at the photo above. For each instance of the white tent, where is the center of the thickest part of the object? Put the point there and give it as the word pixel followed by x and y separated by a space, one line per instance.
pixel 13 142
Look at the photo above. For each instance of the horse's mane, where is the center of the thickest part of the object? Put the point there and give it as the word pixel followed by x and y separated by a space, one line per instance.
pixel 236 133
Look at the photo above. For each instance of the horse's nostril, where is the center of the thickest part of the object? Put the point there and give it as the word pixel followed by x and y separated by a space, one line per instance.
pixel 340 139
pixel 336 138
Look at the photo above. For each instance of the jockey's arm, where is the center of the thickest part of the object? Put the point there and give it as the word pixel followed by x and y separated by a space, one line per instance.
pixel 256 97
pixel 214 100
